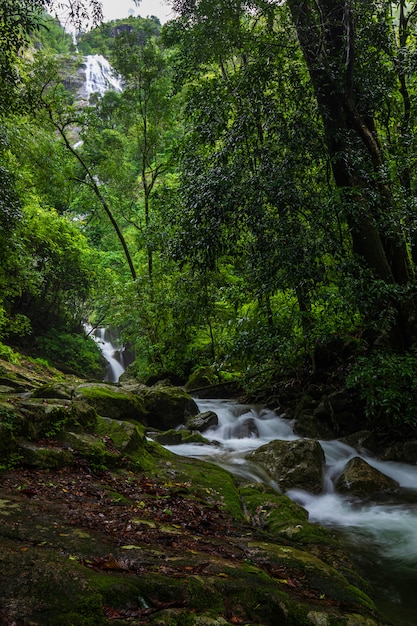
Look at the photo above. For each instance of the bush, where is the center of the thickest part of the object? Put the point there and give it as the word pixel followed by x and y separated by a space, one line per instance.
pixel 387 383
pixel 72 352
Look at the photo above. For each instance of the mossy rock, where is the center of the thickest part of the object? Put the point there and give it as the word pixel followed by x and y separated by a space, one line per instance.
pixel 87 446
pixel 292 464
pixel 112 401
pixel 168 407
pixel 43 457
pixel 125 436
pixel 38 418
pixel 361 479
pixel 201 377
pixel 59 390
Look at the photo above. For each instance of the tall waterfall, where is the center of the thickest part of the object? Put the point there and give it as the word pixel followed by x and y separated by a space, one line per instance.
pixel 99 77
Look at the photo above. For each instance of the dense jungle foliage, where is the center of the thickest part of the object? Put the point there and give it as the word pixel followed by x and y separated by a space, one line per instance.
pixel 247 202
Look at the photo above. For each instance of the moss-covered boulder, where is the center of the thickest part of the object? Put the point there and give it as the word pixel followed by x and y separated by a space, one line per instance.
pixel 292 464
pixel 112 401
pixel 201 377
pixel 167 407
pixel 125 436
pixel 43 456
pixel 361 479
pixel 60 390
pixel 36 418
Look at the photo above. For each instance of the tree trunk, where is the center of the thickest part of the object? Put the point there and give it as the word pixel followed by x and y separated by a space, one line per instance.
pixel 326 32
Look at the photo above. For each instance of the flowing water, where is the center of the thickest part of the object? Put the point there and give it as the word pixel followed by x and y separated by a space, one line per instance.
pixel 112 350
pixel 99 76
pixel 381 536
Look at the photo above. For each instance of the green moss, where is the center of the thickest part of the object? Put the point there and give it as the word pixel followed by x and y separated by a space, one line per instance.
pixel 277 514
pixel 206 481
pixel 114 402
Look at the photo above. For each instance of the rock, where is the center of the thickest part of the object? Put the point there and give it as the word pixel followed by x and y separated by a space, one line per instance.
pixel 202 421
pixel 39 418
pixel 410 452
pixel 62 391
pixel 307 425
pixel 292 464
pixel 112 401
pixel 360 479
pixel 362 440
pixel 200 378
pixel 175 437
pixel 43 457
pixel 310 424
pixel 167 407
pixel 90 447
pixel 126 437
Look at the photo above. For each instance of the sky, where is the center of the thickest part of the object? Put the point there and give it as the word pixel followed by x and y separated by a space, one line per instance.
pixel 116 9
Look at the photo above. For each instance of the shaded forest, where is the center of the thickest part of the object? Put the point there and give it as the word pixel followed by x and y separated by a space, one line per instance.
pixel 243 209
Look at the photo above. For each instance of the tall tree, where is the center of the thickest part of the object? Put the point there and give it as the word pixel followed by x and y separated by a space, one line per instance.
pixel 332 37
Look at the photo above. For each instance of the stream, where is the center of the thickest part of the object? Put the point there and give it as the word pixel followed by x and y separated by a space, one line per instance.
pixel 380 537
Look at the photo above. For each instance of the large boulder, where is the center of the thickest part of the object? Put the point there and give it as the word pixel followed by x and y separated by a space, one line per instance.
pixel 362 440
pixel 112 401
pixel 167 407
pixel 36 417
pixel 292 464
pixel 361 479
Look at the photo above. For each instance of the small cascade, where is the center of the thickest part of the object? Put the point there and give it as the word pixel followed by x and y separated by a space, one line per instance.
pixel 112 350
pixel 382 535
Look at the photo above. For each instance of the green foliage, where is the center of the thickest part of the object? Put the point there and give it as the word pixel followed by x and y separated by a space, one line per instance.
pixel 71 352
pixel 102 39
pixel 8 354
pixel 387 384
pixel 52 36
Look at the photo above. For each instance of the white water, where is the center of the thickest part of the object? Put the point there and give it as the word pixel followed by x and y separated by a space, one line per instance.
pixel 99 76
pixel 112 352
pixel 382 536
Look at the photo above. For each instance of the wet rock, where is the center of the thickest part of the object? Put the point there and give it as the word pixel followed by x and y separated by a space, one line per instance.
pixel 167 407
pixel 175 437
pixel 362 440
pixel 360 479
pixel 292 464
pixel 202 421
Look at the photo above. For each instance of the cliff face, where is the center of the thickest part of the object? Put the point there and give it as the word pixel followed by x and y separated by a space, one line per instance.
pixel 100 525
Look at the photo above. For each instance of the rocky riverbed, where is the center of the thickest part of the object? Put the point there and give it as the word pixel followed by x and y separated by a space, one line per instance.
pixel 100 525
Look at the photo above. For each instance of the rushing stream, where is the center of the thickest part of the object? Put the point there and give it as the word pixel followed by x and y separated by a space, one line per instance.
pixel 380 537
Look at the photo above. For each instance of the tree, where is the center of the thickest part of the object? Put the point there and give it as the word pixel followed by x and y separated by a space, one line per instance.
pixel 352 64
pixel 148 106
pixel 332 36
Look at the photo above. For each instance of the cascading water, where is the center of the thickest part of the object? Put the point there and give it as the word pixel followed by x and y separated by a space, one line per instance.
pixel 382 537
pixel 99 76
pixel 113 353
pixel 112 350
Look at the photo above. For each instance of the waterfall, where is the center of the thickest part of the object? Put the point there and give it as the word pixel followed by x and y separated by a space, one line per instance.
pixel 99 77
pixel 112 350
